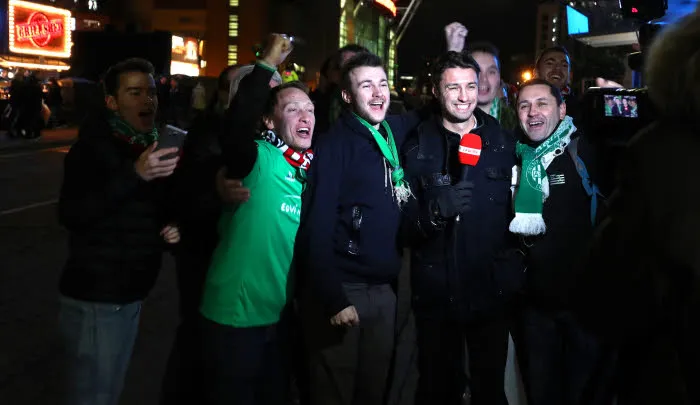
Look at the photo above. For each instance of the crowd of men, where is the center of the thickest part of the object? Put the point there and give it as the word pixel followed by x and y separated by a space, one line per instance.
pixel 289 215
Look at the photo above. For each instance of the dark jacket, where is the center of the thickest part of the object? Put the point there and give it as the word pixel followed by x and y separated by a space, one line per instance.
pixel 114 219
pixel 460 269
pixel 198 203
pixel 350 219
pixel 553 258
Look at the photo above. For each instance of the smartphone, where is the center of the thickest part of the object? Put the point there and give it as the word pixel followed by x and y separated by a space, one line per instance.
pixel 171 137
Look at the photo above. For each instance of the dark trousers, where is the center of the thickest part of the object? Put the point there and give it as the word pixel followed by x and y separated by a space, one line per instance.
pixel 182 383
pixel 350 366
pixel 441 355
pixel 245 366
pixel 560 361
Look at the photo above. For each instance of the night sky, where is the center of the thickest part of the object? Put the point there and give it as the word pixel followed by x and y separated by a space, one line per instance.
pixel 508 24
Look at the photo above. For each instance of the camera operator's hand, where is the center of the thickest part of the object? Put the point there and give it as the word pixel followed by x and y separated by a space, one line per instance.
pixel 450 201
pixel 277 49
pixel 600 82
pixel 455 35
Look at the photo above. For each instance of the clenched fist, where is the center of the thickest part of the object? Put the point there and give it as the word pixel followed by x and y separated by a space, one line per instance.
pixel 456 35
pixel 347 317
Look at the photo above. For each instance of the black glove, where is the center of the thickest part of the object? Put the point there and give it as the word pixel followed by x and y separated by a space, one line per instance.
pixel 450 201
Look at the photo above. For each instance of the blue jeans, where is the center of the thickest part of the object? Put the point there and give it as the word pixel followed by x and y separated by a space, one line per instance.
pixel 97 339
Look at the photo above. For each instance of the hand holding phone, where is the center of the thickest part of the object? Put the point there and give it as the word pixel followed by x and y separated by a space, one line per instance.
pixel 171 137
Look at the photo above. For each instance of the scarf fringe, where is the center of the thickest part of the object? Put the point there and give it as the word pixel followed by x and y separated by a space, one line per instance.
pixel 528 224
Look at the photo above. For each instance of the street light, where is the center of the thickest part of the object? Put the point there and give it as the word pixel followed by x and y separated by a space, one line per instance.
pixel 527 76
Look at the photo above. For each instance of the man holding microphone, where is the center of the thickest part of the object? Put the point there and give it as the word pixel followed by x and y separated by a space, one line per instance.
pixel 457 230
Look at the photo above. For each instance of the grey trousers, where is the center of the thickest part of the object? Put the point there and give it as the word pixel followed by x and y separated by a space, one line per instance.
pixel 350 366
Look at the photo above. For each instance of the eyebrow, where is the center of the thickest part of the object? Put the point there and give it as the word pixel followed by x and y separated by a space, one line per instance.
pixel 537 99
pixel 457 84
pixel 140 88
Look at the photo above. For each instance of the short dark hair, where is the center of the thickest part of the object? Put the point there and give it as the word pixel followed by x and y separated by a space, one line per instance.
pixel 555 49
pixel 113 75
pixel 554 90
pixel 362 59
pixel 355 48
pixel 451 60
pixel 272 100
pixel 485 47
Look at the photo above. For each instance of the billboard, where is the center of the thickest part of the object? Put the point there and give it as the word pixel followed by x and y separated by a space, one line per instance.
pixel 184 59
pixel 36 29
pixel 576 21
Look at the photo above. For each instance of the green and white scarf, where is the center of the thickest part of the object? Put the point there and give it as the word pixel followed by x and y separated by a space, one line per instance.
pixel 400 189
pixel 533 187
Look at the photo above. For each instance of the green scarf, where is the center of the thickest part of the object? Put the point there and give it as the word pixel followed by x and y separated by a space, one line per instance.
pixel 506 116
pixel 495 110
pixel 400 188
pixel 533 187
pixel 124 130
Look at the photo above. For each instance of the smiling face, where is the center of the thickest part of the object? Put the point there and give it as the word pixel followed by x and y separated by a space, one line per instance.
pixel 293 118
pixel 538 112
pixel 457 93
pixel 135 100
pixel 368 93
pixel 554 67
pixel 489 78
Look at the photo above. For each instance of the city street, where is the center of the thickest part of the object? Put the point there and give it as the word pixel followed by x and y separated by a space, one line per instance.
pixel 32 251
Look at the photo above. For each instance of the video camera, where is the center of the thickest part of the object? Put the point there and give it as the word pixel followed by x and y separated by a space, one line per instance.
pixel 616 115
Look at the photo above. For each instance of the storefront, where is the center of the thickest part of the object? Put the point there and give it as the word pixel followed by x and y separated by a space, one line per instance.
pixel 38 37
pixel 185 56
pixel 370 24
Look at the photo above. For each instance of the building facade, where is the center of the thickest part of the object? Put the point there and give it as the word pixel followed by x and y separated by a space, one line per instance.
pixel 320 26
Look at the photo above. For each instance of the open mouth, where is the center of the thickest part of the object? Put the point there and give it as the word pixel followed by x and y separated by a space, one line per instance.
pixel 535 125
pixel 555 77
pixel 484 91
pixel 377 105
pixel 304 132
pixel 462 107
pixel 146 117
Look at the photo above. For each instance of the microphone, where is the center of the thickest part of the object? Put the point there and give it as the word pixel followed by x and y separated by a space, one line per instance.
pixel 469 152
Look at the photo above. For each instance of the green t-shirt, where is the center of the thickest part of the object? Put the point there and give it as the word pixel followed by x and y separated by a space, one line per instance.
pixel 247 283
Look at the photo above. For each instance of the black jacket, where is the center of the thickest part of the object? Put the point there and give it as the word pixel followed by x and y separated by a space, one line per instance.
pixel 461 269
pixel 554 258
pixel 114 219
pixel 350 219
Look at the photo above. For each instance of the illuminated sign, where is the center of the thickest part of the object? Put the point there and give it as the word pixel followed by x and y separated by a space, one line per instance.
pixel 184 57
pixel 387 4
pixel 36 29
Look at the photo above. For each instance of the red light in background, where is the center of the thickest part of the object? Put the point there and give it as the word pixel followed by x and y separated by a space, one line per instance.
pixel 634 10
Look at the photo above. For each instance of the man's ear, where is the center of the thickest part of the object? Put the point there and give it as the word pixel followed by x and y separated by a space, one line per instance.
pixel 269 124
pixel 435 92
pixel 347 97
pixel 111 103
pixel 562 111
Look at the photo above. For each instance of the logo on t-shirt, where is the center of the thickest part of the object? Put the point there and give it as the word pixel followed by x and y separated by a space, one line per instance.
pixel 290 177
pixel 291 206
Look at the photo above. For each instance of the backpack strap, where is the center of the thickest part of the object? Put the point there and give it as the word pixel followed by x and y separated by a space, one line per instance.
pixel 588 185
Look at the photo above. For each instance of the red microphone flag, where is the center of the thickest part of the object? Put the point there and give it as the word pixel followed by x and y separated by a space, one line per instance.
pixel 470 149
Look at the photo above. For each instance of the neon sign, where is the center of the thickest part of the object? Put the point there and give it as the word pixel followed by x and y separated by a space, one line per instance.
pixel 387 4
pixel 39 30
pixel 35 29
